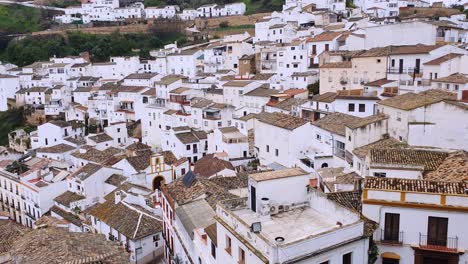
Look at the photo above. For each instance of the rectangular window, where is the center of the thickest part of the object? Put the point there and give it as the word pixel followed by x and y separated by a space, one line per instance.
pixel 380 174
pixel 327 47
pixel 437 231
pixel 362 108
pixel 392 227
pixel 228 245
pixel 347 258
pixel 213 250
pixel 276 152
pixel 241 256
pixel 267 148
pixel 188 147
pixel 350 107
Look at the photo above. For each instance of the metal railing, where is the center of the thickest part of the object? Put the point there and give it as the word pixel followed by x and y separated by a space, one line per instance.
pixel 444 244
pixel 391 237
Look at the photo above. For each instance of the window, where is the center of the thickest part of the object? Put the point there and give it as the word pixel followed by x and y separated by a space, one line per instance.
pixel 392 227
pixel 188 147
pixel 267 148
pixel 362 108
pixel 318 137
pixel 276 152
pixel 235 65
pixel 241 256
pixel 347 258
pixel 380 174
pixel 350 107
pixel 213 250
pixel 437 231
pixel 327 46
pixel 378 60
pixel 228 245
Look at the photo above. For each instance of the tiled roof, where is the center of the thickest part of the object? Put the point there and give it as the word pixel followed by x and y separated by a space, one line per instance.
pixel 138 146
pixel 68 197
pixel 379 82
pixel 168 79
pixel 10 231
pixel 350 200
pixel 327 97
pixel 60 123
pixel 277 174
pixel 281 120
pixel 453 78
pixel 261 92
pixel 390 142
pixel 411 185
pixel 69 217
pixel 87 170
pixel 191 137
pixel 288 104
pixel 143 76
pixel 58 245
pixel 60 148
pixel 342 64
pixel 443 59
pixel 367 121
pixel 210 165
pixel 129 222
pixel 454 168
pixel 410 101
pixel 232 182
pixel 179 193
pixel 94 155
pixel 115 180
pixel 237 83
pixel 425 159
pixel 99 138
pixel 336 122
pixel 141 162
pixel 325 36
pixel 179 90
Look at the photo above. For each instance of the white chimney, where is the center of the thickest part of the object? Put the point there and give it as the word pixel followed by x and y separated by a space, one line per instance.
pixel 118 197
pixel 82 150
pixel 265 207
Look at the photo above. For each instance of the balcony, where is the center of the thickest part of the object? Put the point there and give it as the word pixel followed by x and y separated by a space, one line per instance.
pixel 408 70
pixel 28 214
pixel 391 238
pixel 449 244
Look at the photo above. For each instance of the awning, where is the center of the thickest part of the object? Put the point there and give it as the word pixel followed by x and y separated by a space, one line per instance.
pixel 390 255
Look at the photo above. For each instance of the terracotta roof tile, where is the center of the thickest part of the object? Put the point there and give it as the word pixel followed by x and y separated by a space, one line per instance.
pixel 410 185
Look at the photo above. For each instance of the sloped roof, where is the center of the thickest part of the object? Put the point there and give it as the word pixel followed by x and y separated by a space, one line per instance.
pixel 411 185
pixel 281 120
pixel 336 122
pixel 210 165
pixel 410 101
pixel 425 159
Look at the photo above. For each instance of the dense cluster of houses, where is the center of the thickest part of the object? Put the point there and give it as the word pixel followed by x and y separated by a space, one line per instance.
pixel 114 10
pixel 322 139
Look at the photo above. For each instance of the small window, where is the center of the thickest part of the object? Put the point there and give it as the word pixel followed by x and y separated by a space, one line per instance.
pixel 213 250
pixel 228 245
pixel 362 108
pixel 276 152
pixel 241 256
pixel 380 174
pixel 350 107
pixel 347 258
pixel 188 147
pixel 379 60
pixel 267 148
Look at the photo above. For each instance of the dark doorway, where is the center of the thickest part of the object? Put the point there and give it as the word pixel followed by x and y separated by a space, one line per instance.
pixel 158 182
pixel 253 199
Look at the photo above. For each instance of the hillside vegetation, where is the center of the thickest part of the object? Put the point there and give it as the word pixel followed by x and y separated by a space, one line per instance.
pixel 20 19
pixel 253 6
pixel 101 47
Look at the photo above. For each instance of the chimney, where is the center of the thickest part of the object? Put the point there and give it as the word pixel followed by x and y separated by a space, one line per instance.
pixel 82 150
pixel 85 56
pixel 118 197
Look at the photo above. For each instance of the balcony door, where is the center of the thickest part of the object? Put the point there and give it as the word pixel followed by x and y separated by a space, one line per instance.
pixel 392 227
pixel 437 231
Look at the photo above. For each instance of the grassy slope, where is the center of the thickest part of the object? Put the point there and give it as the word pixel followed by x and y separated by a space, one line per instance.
pixel 19 19
pixel 10 120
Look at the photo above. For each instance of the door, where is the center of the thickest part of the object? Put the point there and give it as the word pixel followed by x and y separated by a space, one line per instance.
pixel 437 231
pixel 400 67
pixel 390 261
pixel 392 227
pixel 253 199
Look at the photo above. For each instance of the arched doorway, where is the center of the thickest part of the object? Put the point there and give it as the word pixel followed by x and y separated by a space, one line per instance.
pixel 158 181
pixel 324 165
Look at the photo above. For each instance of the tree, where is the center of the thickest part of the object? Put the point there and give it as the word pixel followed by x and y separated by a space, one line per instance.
pixel 224 24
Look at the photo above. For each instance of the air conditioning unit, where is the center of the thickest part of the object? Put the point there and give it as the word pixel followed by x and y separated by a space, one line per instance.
pixel 274 209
